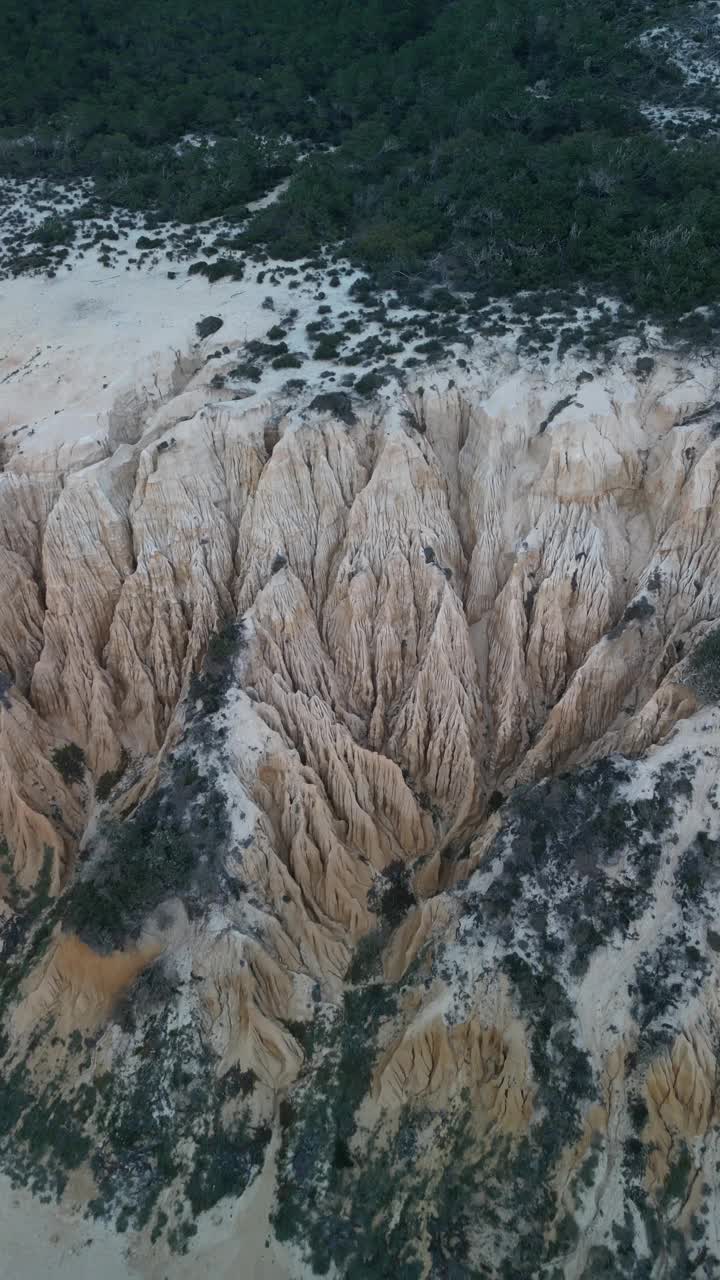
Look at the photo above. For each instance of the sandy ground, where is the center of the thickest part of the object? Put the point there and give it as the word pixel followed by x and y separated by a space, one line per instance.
pixel 39 1240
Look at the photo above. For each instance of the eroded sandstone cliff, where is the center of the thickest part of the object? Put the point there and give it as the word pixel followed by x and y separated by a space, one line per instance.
pixel 344 798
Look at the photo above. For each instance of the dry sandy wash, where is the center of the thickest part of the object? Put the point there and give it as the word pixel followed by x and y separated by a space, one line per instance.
pixel 421 893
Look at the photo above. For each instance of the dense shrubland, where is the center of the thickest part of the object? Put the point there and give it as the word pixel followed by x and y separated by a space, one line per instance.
pixel 499 143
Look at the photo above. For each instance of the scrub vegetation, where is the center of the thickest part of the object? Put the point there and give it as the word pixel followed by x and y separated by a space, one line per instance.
pixel 487 145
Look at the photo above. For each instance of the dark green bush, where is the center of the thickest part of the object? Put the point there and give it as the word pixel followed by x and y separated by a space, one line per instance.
pixel 369 383
pixel 109 780
pixel 69 762
pixel 247 370
pixel 223 1165
pixel 289 361
pixel 54 231
pixel 217 270
pixel 328 346
pixel 208 325
pixel 705 665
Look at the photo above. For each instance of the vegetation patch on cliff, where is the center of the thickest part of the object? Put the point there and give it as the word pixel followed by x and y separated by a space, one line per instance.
pixel 162 1135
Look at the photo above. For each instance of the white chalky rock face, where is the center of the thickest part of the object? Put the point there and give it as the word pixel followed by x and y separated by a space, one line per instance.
pixel 452 600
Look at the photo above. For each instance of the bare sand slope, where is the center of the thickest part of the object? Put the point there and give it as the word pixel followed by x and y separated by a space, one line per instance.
pixel 38 1240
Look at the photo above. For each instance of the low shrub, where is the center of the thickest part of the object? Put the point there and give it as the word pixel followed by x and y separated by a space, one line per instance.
pixel 705 665
pixel 209 324
pixel 109 780
pixel 289 361
pixel 328 346
pixel 69 762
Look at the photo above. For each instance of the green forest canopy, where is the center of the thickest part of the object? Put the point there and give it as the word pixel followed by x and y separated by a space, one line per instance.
pixel 495 145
